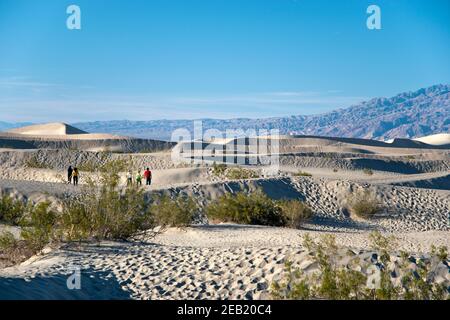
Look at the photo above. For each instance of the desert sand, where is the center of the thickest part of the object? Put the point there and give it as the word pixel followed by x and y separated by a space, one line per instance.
pixel 210 262
pixel 410 178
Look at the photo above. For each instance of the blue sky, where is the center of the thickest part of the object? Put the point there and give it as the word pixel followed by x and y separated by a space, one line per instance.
pixel 184 59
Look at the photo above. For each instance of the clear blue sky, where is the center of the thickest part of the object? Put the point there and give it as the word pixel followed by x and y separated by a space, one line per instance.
pixel 178 59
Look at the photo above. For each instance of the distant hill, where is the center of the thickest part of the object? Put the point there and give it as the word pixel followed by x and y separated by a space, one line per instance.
pixel 407 115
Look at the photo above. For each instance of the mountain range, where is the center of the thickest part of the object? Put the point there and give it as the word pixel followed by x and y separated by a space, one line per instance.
pixel 406 115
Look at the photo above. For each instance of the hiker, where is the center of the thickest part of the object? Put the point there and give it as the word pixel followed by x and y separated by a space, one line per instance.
pixel 69 175
pixel 148 177
pixel 129 178
pixel 139 179
pixel 75 176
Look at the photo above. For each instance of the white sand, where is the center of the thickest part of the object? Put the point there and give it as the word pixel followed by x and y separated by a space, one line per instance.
pixel 215 262
pixel 231 261
pixel 436 139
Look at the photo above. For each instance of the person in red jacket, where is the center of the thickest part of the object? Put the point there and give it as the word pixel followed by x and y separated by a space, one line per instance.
pixel 148 177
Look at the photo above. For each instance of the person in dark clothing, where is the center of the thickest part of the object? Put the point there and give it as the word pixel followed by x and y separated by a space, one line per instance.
pixel 75 176
pixel 69 175
pixel 148 177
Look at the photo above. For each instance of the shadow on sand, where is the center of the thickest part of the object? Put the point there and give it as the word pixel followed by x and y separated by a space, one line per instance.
pixel 93 285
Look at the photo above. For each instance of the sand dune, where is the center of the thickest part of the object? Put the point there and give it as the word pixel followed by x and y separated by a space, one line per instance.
pixel 436 139
pixel 209 261
pixel 49 129
pixel 63 136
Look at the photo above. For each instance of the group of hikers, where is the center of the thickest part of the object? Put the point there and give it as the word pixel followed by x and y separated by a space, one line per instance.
pixel 73 174
pixel 138 178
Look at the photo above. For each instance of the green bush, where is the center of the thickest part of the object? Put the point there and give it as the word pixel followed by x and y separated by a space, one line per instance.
pixel 7 241
pixel 38 225
pixel 11 211
pixel 34 162
pixel 219 169
pixel 88 166
pixel 240 174
pixel 334 282
pixel 178 212
pixel 302 174
pixel 364 204
pixel 368 172
pixel 440 252
pixel 295 212
pixel 257 208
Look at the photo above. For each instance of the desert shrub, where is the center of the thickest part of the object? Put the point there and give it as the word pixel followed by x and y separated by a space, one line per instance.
pixel 236 173
pixel 335 170
pixel 35 163
pixel 368 172
pixel 178 212
pixel 336 282
pixel 7 241
pixel 302 174
pixel 295 212
pixel 240 174
pixel 219 169
pixel 382 243
pixel 329 282
pixel 11 211
pixel 440 252
pixel 254 208
pixel 257 208
pixel 88 166
pixel 363 204
pixel 38 225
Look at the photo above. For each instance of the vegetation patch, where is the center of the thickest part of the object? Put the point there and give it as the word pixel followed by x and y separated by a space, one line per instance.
pixel 233 173
pixel 334 281
pixel 219 169
pixel 295 212
pixel 363 204
pixel 257 208
pixel 302 174
pixel 178 212
pixel 13 251
pixel 240 174
pixel 35 163
pixel 11 211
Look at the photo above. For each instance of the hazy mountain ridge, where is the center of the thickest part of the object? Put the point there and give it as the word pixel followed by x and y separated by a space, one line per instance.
pixel 406 115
